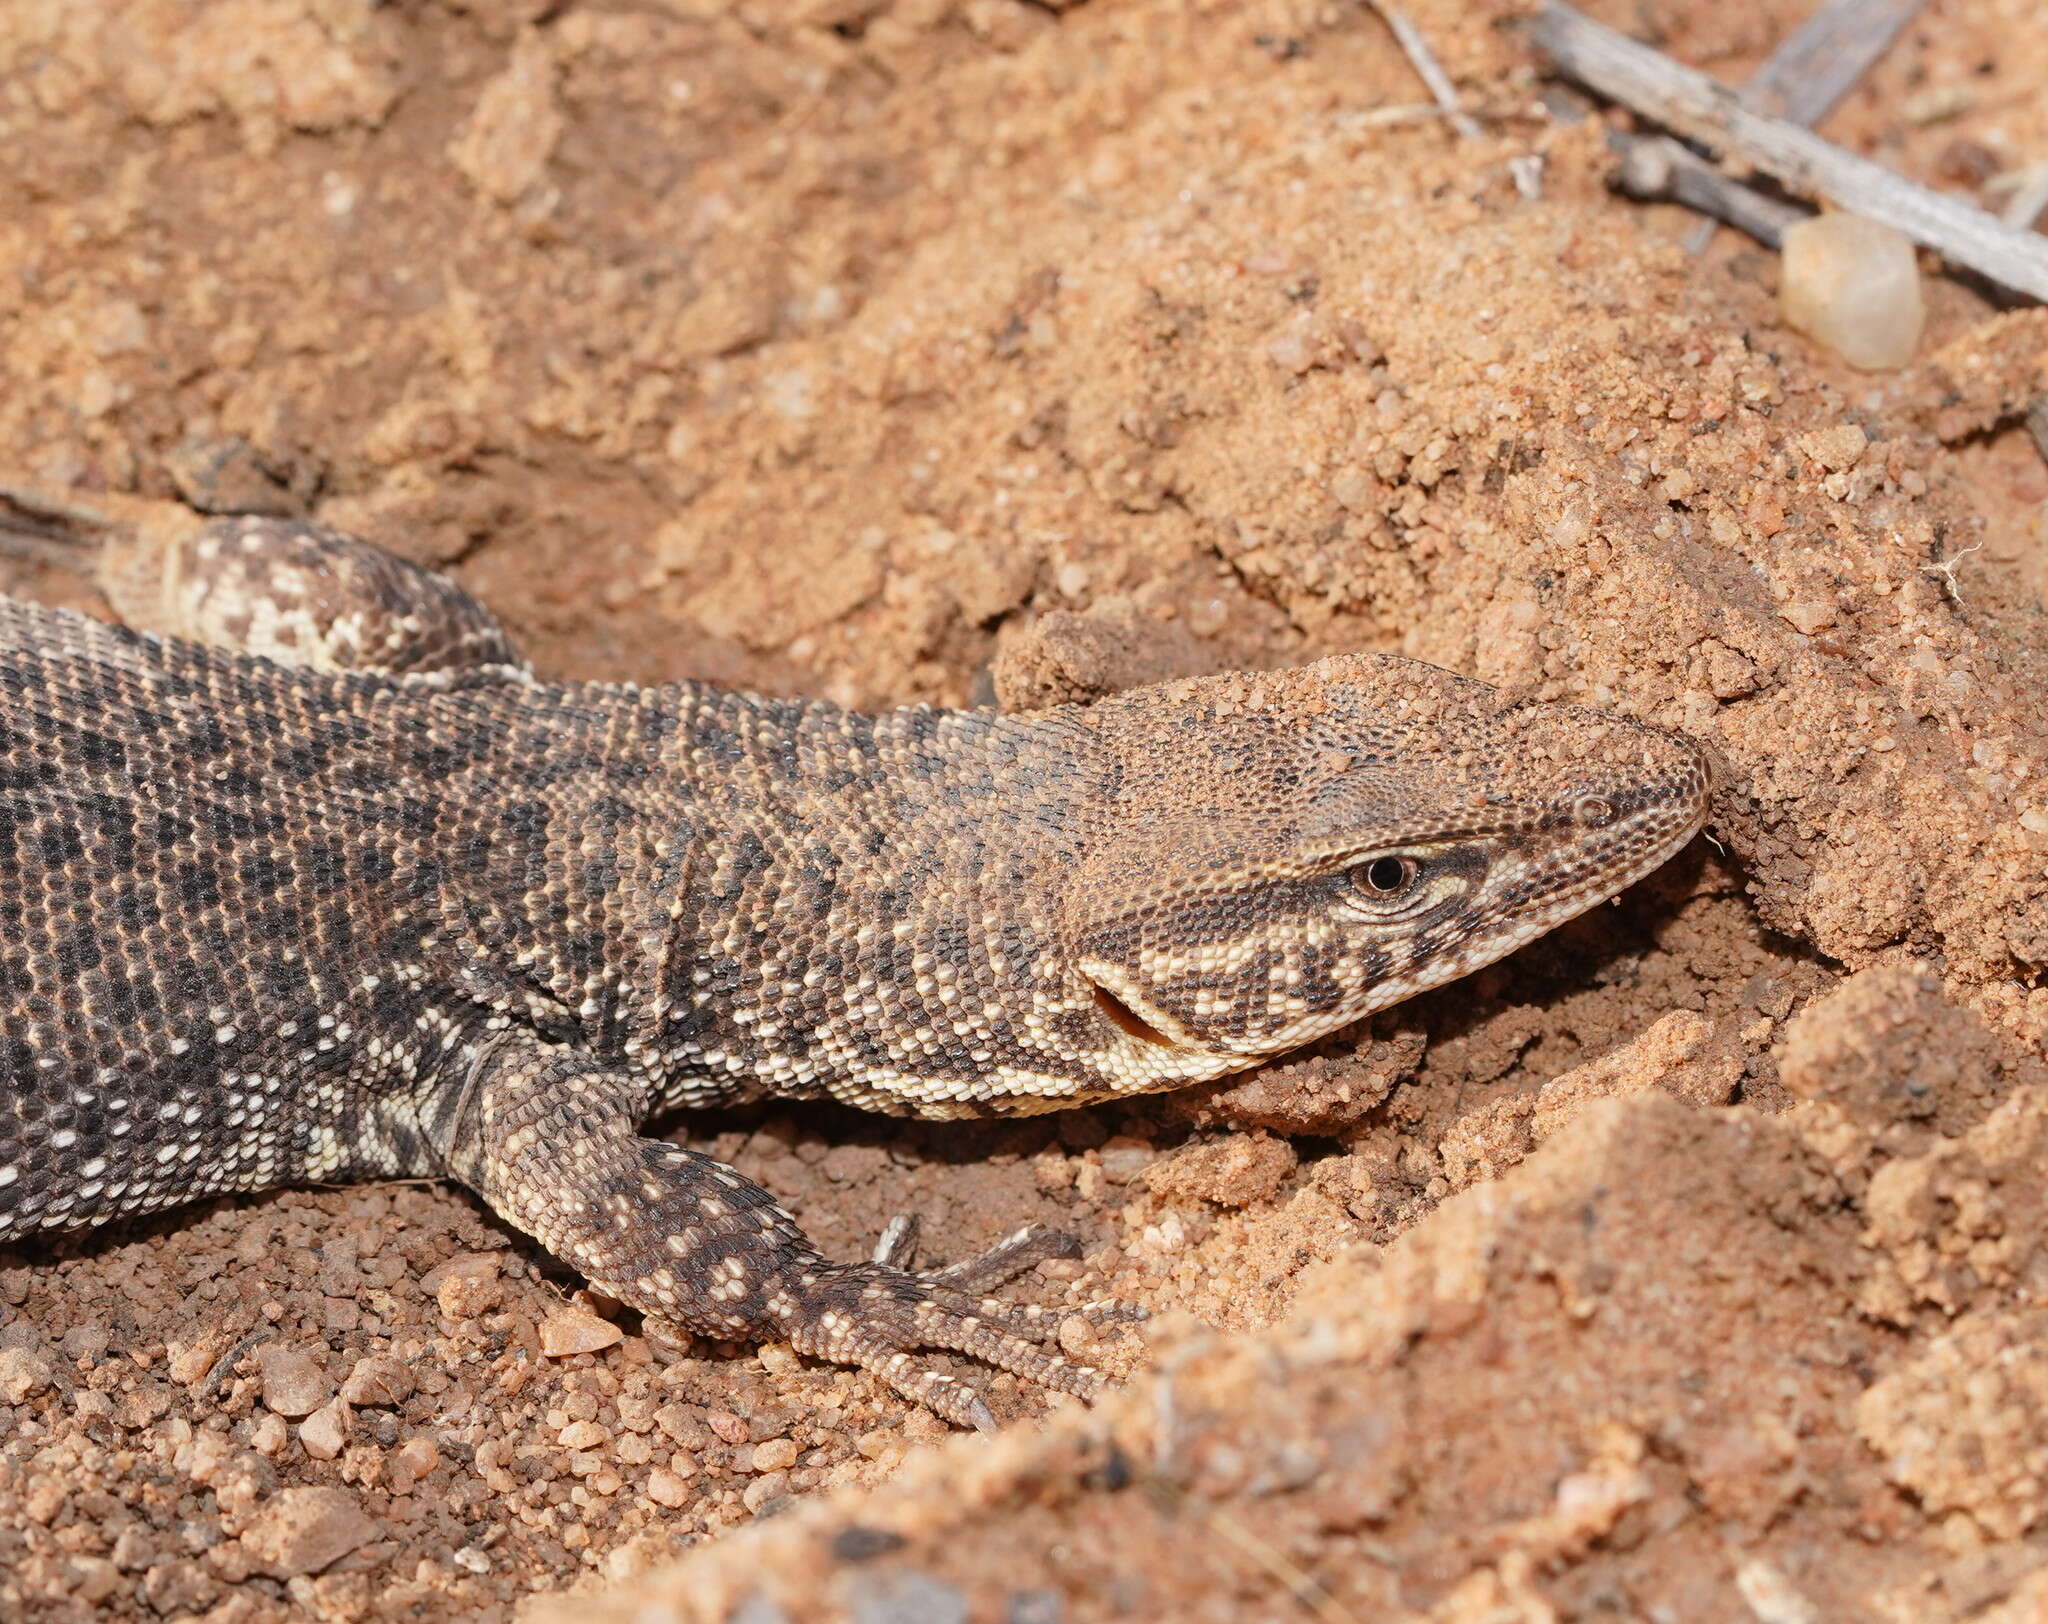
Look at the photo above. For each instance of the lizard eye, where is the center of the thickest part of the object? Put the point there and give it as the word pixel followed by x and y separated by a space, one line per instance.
pixel 1385 878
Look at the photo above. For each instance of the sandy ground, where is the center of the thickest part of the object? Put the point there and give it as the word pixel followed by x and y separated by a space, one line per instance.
pixel 1690 1266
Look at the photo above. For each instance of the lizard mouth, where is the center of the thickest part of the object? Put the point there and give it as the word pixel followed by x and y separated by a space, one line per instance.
pixel 1126 1019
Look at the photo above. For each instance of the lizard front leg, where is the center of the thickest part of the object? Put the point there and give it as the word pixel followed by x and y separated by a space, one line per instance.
pixel 548 1137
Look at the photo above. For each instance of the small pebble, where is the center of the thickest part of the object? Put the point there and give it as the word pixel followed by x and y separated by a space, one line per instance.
pixel 146 1403
pixel 93 1579
pixel 775 1455
pixel 304 1530
pixel 178 1588
pixel 1124 1158
pixel 1354 491
pixel 293 1385
pixel 882 1441
pixel 905 1598
pixel 323 1433
pixel 569 1329
pixel 44 1499
pixel 1809 615
pixel 22 1374
pixel 1238 1171
pixel 189 1364
pixel 378 1379
pixel 584 1435
pixel 666 1488
pixel 410 1464
pixel 1208 616
pixel 1853 286
pixel 132 1551
pixel 1290 352
pixel 763 1490
pixel 1836 448
pixel 467 1286
pixel 778 1358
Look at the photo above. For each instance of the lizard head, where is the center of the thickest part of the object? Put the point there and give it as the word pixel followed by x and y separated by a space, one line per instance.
pixel 1280 854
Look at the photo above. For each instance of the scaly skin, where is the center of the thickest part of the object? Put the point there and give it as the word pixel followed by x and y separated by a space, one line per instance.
pixel 400 909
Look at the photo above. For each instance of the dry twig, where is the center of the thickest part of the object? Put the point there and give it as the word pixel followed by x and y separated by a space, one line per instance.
pixel 1812 69
pixel 1428 69
pixel 1821 60
pixel 1945 569
pixel 1656 88
pixel 1657 169
pixel 2028 200
pixel 218 1371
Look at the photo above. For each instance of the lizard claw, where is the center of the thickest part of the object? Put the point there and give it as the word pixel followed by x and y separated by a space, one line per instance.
pixel 875 1314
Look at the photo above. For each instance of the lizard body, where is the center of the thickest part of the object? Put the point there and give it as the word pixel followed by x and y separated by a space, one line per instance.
pixel 399 908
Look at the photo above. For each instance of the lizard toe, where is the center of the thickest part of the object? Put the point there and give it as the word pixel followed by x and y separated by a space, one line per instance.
pixel 993 1343
pixel 971 1278
pixel 1009 1257
pixel 999 1264
pixel 878 1317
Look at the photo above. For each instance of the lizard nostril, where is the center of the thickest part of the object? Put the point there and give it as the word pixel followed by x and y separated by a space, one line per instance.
pixel 1594 811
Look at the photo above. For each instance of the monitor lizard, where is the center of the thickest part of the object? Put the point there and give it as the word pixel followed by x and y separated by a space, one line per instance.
pixel 306 876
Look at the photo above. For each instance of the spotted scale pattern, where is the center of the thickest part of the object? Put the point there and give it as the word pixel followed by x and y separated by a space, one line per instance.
pixel 264 922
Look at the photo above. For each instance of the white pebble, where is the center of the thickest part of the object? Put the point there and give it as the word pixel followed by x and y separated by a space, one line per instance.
pixel 1853 286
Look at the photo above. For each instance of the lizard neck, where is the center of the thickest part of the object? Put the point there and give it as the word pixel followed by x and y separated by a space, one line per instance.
pixel 868 908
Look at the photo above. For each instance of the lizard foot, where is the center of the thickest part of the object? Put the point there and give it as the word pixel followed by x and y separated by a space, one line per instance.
pixel 548 1139
pixel 876 1315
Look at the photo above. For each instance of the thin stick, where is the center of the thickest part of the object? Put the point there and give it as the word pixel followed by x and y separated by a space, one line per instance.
pixel 1821 60
pixel 1812 69
pixel 217 1372
pixel 1403 113
pixel 1657 169
pixel 2027 202
pixel 1428 69
pixel 1695 106
pixel 1946 569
